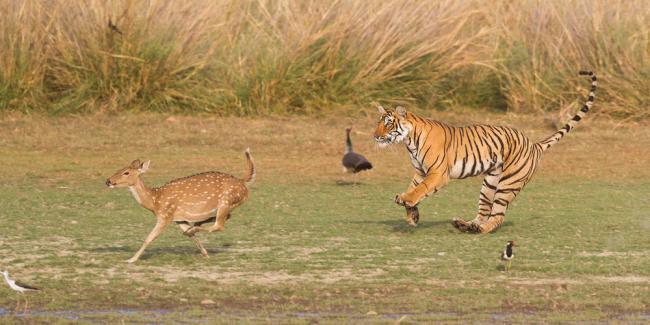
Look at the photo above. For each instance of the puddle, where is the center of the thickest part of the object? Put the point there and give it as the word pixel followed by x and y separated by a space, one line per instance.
pixel 80 314
pixel 87 315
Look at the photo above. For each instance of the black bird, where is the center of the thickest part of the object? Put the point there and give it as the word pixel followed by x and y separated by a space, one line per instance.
pixel 113 27
pixel 508 254
pixel 352 161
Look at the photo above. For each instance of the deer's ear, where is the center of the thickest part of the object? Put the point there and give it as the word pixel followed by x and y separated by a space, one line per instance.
pixel 135 164
pixel 401 111
pixel 381 109
pixel 144 166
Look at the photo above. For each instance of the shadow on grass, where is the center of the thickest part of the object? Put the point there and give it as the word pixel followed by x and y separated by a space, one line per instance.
pixel 400 225
pixel 341 182
pixel 161 250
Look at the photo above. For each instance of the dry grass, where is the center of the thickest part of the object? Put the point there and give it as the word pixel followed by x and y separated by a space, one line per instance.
pixel 305 56
pixel 310 147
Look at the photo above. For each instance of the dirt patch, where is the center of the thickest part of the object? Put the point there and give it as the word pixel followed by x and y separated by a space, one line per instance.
pixel 591 146
pixel 258 278
pixel 581 280
pixel 218 274
pixel 613 254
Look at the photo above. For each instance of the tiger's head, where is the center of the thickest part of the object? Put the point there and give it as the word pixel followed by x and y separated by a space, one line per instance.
pixel 393 127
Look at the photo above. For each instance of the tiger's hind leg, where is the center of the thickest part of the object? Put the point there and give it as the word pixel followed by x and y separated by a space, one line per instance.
pixel 503 197
pixel 507 190
pixel 513 181
pixel 486 198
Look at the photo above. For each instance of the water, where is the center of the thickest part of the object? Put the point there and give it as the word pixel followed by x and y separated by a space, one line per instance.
pixel 74 315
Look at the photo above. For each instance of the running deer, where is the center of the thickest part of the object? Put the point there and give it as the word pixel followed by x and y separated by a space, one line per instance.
pixel 189 201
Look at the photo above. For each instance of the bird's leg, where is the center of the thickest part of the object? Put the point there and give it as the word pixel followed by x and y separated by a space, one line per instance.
pixel 509 264
pixel 25 306
pixel 17 303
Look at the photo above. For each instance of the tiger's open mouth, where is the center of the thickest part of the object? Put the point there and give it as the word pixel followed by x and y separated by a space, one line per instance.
pixel 384 141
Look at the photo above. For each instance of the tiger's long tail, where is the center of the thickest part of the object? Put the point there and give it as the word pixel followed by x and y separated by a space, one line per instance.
pixel 557 136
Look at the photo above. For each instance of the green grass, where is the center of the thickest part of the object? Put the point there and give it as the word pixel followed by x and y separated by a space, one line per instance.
pixel 341 250
pixel 304 248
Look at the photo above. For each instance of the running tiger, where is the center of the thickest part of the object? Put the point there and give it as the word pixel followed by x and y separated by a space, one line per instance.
pixel 439 151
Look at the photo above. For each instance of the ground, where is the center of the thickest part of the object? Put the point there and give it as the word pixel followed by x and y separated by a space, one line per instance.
pixel 308 247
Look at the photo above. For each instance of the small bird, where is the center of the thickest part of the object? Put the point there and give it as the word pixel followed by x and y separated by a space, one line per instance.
pixel 113 27
pixel 508 254
pixel 18 287
pixel 352 161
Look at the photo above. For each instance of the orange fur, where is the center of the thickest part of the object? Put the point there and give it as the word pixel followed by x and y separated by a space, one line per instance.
pixel 438 152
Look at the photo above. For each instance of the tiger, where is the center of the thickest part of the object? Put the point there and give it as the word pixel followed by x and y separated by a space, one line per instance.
pixel 438 152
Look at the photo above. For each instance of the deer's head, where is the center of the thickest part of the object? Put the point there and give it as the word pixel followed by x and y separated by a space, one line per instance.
pixel 128 175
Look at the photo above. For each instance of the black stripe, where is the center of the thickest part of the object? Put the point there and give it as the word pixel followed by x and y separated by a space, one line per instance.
pixel 577 118
pixel 501 202
pixel 488 185
pixel 585 109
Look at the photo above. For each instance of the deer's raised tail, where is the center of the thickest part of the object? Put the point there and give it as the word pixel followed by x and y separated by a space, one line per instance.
pixel 249 177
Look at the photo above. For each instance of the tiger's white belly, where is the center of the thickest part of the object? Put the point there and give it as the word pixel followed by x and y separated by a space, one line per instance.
pixel 456 170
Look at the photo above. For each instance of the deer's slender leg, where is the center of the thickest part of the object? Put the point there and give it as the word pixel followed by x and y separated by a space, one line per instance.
pixel 184 227
pixel 223 213
pixel 160 226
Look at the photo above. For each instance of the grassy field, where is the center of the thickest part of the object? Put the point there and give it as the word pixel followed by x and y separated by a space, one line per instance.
pixel 263 57
pixel 306 248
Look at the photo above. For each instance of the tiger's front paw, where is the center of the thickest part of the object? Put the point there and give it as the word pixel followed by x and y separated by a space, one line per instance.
pixel 405 200
pixel 412 216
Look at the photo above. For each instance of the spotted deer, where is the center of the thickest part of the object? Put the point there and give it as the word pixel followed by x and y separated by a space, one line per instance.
pixel 190 201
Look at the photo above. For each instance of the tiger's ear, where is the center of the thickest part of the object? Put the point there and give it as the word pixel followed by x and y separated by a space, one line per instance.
pixel 381 109
pixel 401 111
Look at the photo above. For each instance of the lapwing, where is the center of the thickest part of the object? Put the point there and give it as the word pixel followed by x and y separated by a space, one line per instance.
pixel 18 287
pixel 508 254
pixel 352 161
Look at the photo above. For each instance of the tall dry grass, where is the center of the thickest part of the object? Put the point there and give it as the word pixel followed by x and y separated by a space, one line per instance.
pixel 278 56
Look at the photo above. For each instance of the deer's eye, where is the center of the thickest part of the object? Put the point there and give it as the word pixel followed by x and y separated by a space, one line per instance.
pixel 125 173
